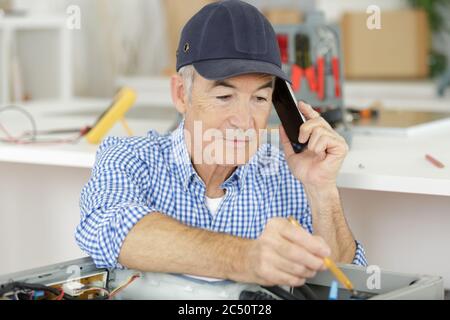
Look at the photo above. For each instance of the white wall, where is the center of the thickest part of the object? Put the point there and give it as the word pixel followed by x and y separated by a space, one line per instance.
pixel 117 37
pixel 335 8
pixel 408 233
pixel 304 5
pixel 126 37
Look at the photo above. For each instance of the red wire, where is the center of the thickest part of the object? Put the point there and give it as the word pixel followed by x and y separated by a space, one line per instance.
pixel 8 135
pixel 61 295
pixel 11 139
pixel 49 142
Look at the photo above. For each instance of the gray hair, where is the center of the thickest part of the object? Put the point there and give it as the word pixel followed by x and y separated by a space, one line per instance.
pixel 187 73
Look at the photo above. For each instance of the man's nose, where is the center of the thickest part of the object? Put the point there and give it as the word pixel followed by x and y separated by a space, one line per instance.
pixel 242 117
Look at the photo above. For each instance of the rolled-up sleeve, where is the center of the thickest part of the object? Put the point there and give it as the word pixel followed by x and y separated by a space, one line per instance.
pixel 112 202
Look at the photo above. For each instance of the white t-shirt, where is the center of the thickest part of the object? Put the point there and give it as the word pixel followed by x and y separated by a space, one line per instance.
pixel 213 204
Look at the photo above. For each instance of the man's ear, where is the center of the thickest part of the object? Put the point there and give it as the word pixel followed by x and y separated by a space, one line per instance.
pixel 178 93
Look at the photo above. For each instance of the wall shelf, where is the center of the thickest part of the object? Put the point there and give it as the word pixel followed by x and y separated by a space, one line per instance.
pixel 41 45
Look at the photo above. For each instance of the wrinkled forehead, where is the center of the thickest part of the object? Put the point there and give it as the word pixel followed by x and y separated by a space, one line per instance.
pixel 257 80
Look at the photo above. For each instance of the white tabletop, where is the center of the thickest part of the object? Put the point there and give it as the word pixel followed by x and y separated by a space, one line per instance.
pixel 53 115
pixel 380 162
pixel 398 164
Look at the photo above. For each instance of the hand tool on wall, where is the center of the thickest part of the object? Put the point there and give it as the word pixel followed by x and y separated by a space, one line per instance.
pixel 322 51
pixel 283 43
pixel 328 44
pixel 303 66
pixel 335 64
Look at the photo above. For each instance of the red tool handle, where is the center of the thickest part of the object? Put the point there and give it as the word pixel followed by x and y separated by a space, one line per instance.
pixel 310 74
pixel 296 77
pixel 321 78
pixel 337 77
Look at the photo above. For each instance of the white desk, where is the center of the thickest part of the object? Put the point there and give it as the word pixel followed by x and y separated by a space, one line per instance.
pixel 76 115
pixel 397 164
pixel 398 205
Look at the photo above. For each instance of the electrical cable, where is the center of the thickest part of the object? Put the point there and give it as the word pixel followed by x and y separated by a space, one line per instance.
pixel 258 295
pixel 307 292
pixel 280 292
pixel 30 137
pixel 61 295
pixel 23 112
pixel 123 286
pixel 89 288
pixel 18 286
pixel 23 287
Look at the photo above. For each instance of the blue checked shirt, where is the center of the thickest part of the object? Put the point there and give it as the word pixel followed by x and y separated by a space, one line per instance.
pixel 133 177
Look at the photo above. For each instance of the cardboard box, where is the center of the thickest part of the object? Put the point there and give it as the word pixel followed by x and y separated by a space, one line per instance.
pixel 399 50
pixel 5 5
pixel 177 14
pixel 281 16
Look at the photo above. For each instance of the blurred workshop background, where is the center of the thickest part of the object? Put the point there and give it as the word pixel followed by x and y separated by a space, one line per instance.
pixel 62 62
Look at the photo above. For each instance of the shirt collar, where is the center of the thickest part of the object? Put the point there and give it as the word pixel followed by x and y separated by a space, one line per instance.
pixel 182 159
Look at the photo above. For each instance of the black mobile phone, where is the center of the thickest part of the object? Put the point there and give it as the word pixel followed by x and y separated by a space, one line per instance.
pixel 285 104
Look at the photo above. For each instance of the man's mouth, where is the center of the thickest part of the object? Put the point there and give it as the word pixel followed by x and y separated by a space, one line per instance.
pixel 237 142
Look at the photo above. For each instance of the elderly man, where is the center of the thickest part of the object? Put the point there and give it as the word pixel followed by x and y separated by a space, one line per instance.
pixel 164 204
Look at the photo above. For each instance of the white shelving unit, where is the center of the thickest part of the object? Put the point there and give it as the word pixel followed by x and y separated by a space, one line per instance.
pixel 42 46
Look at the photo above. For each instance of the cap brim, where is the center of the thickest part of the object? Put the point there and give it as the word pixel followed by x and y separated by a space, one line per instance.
pixel 226 68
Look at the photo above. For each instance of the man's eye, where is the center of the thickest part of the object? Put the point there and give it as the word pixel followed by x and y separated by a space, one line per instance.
pixel 261 99
pixel 224 98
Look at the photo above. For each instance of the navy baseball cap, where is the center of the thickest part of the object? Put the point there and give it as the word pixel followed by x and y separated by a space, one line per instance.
pixel 229 38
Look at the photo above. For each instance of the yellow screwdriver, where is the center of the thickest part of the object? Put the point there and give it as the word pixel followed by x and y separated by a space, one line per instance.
pixel 334 269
